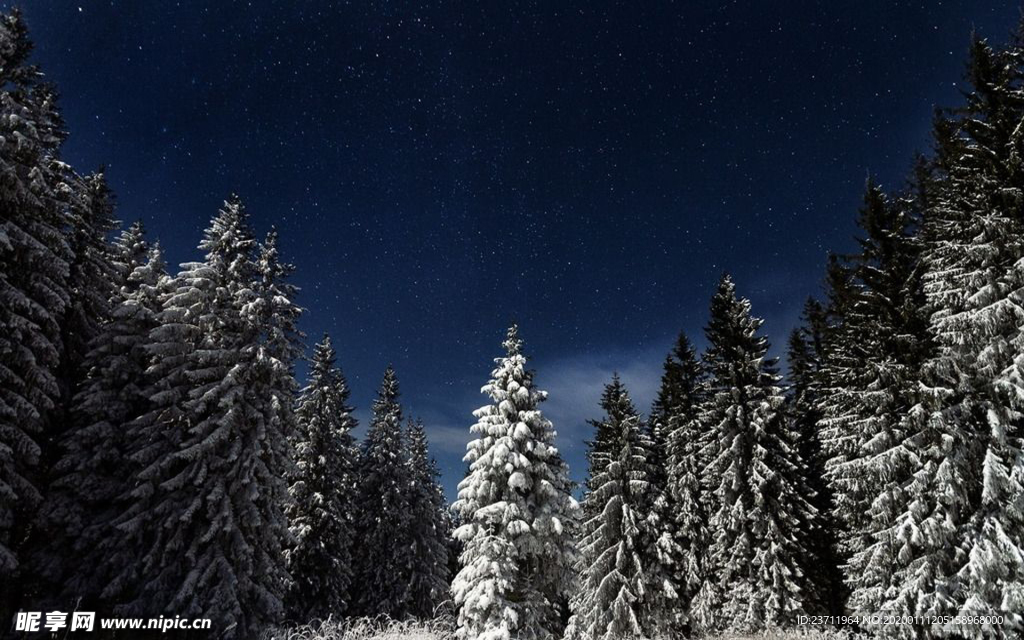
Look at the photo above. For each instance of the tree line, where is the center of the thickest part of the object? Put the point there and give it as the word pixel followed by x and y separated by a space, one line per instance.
pixel 884 477
pixel 158 455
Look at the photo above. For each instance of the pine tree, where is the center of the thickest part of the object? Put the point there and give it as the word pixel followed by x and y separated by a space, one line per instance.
pixel 429 529
pixel 516 513
pixel 93 468
pixel 806 359
pixel 622 592
pixel 755 554
pixel 92 277
pixel 34 257
pixel 682 505
pixel 323 492
pixel 872 364
pixel 383 509
pixel 209 511
pixel 959 529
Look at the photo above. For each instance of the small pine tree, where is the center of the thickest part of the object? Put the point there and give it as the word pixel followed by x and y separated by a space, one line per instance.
pixel 323 491
pixel 803 408
pixel 383 509
pixel 429 529
pixel 622 591
pixel 516 514
pixel 682 505
pixel 755 554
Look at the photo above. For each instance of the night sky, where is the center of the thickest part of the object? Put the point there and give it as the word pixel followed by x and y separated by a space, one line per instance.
pixel 438 170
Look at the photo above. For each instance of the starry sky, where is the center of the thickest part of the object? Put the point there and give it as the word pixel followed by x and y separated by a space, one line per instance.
pixel 438 170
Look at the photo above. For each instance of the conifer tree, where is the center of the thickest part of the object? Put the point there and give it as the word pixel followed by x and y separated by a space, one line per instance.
pixel 93 468
pixel 209 511
pixel 429 529
pixel 624 590
pixel 682 505
pixel 516 513
pixel 383 509
pixel 92 276
pixel 959 529
pixel 34 259
pixel 806 359
pixel 873 362
pixel 755 553
pixel 323 491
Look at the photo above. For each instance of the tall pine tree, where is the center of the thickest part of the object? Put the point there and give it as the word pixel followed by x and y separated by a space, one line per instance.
pixel 622 591
pixel 93 468
pixel 34 266
pixel 755 552
pixel 959 530
pixel 320 514
pixel 516 513
pixel 383 509
pixel 428 528
pixel 208 505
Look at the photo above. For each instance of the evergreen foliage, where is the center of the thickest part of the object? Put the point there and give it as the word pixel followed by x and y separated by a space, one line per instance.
pixel 516 513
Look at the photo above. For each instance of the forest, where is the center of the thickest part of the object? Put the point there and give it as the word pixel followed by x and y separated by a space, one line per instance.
pixel 159 457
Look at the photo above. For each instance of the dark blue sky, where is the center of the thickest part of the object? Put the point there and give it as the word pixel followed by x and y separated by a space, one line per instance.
pixel 439 169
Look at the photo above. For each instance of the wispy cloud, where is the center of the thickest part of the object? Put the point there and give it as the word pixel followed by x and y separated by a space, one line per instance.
pixel 574 385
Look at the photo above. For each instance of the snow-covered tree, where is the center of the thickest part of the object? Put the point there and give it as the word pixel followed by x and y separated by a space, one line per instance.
pixel 755 553
pixel 34 259
pixel 516 513
pixel 383 510
pixel 624 589
pixel 681 507
pixel 958 533
pixel 429 529
pixel 803 407
pixel 207 509
pixel 92 277
pixel 320 514
pixel 868 382
pixel 93 468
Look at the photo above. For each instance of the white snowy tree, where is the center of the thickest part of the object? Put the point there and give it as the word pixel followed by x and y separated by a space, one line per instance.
pixel 34 259
pixel 383 510
pixel 516 513
pixel 624 589
pixel 683 505
pixel 754 557
pixel 93 469
pixel 320 515
pixel 958 533
pixel 428 529
pixel 208 506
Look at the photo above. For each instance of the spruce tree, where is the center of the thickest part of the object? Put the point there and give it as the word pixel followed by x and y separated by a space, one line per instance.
pixel 682 505
pixel 383 509
pixel 873 359
pixel 516 513
pixel 34 265
pixel 806 359
pixel 622 591
pixel 92 277
pixel 755 552
pixel 959 530
pixel 429 529
pixel 208 505
pixel 323 494
pixel 93 467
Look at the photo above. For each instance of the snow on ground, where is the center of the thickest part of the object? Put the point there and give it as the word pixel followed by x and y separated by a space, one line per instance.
pixel 443 629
